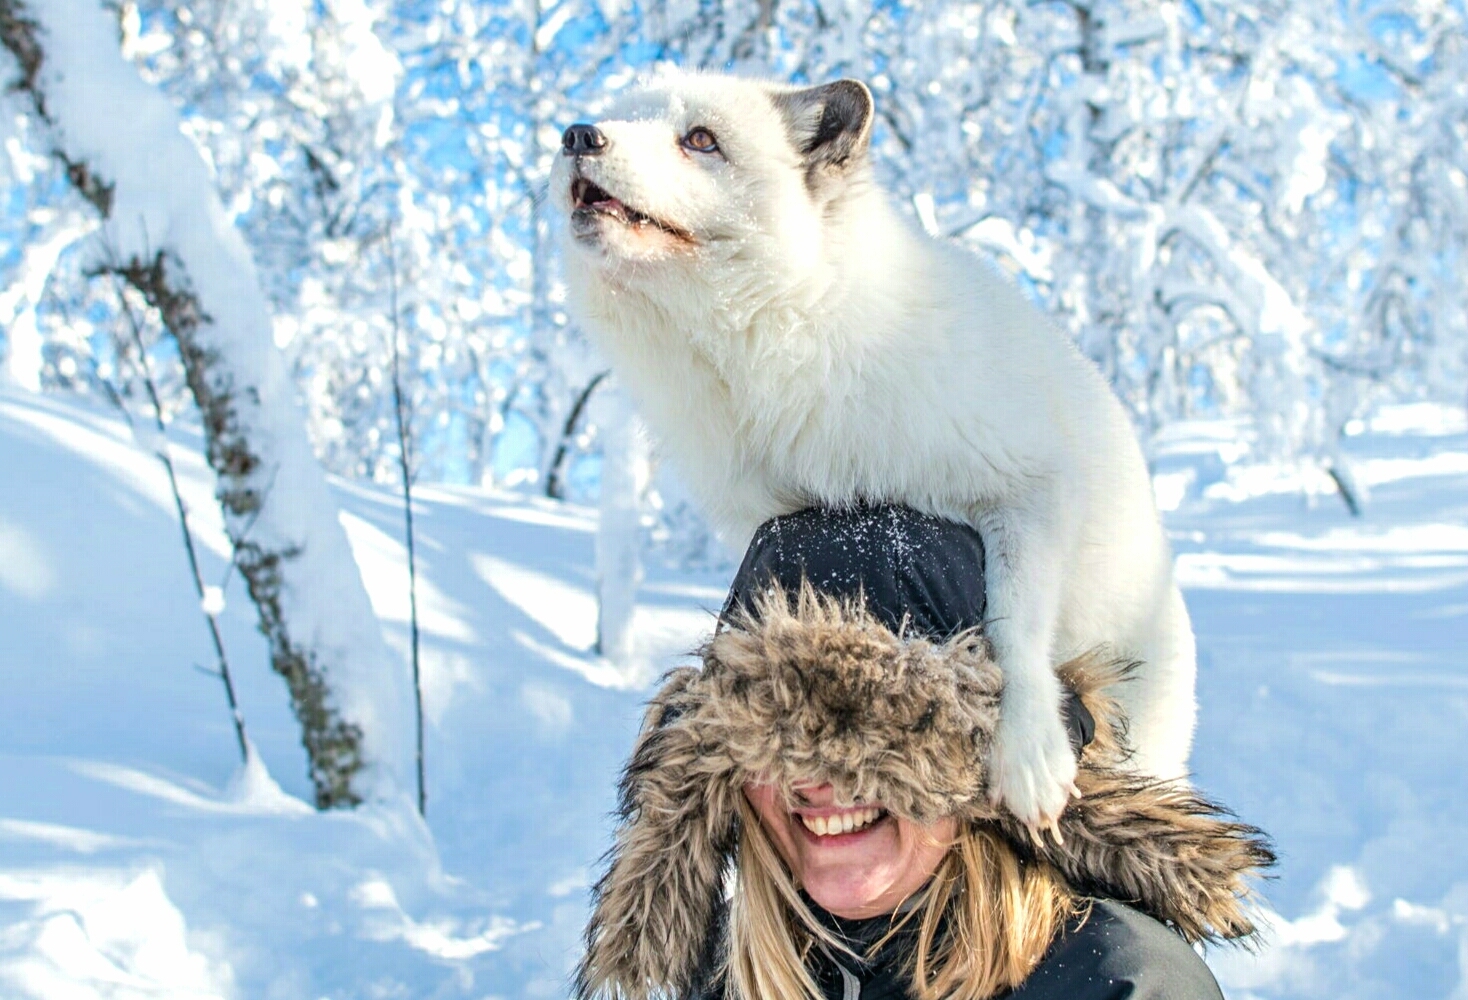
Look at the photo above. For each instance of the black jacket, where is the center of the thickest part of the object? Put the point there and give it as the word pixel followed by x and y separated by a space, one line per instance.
pixel 1111 953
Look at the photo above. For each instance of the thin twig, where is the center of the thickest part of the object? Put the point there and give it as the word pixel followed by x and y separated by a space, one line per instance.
pixel 405 464
pixel 159 423
pixel 555 488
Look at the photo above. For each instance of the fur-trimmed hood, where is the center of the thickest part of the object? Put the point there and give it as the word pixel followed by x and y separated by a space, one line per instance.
pixel 814 689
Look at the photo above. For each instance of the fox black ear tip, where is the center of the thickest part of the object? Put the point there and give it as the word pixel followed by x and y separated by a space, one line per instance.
pixel 853 98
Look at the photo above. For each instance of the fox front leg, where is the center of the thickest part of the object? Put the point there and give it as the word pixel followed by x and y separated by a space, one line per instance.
pixel 1032 767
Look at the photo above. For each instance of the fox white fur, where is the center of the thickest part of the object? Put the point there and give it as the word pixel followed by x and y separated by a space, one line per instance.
pixel 792 340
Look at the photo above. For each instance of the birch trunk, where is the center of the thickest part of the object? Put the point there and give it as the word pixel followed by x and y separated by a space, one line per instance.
pixel 168 236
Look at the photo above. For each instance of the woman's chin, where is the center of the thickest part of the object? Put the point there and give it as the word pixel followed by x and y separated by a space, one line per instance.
pixel 872 871
pixel 853 861
pixel 860 883
pixel 850 899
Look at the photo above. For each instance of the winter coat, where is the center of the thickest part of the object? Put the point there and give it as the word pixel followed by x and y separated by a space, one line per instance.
pixel 1109 952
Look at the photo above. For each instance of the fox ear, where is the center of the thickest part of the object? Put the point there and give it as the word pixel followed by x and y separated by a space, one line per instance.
pixel 830 126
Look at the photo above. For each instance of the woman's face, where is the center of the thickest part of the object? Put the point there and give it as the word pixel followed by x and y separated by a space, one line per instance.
pixel 855 862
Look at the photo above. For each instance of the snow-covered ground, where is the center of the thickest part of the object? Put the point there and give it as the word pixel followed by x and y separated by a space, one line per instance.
pixel 137 859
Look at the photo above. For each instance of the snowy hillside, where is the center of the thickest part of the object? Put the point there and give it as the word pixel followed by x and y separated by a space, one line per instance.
pixel 137 859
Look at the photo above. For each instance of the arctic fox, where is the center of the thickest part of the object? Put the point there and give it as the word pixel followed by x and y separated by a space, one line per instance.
pixel 792 341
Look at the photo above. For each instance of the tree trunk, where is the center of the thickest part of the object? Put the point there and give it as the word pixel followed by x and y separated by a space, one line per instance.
pixel 624 473
pixel 170 238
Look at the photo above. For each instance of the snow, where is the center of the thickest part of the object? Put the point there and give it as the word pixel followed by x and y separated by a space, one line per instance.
pixel 18 303
pixel 371 65
pixel 138 859
pixel 1334 694
pixel 1000 237
pixel 619 543
pixel 123 935
pixel 88 89
pixel 117 758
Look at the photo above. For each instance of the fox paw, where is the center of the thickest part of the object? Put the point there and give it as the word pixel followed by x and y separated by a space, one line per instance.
pixel 1033 772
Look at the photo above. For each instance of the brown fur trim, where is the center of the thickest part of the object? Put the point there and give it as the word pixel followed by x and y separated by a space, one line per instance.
pixel 825 693
pixel 822 692
pixel 654 905
pixel 1159 846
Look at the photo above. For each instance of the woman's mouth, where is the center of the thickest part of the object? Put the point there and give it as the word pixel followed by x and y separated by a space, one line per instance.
pixel 845 822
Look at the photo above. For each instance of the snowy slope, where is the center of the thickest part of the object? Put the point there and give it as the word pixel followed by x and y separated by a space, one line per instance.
pixel 136 860
pixel 129 865
pixel 1333 679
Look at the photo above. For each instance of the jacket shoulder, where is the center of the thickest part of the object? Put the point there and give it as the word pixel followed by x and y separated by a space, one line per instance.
pixel 1118 953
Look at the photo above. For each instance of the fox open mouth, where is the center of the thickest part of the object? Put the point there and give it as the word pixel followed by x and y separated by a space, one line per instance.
pixel 588 198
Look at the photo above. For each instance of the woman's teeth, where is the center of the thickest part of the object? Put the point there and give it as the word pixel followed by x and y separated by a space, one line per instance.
pixel 829 826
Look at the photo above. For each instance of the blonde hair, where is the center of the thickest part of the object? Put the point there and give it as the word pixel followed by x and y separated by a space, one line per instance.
pixel 996 912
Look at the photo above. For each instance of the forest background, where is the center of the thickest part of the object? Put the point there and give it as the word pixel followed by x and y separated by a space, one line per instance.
pixel 1247 210
pixel 276 238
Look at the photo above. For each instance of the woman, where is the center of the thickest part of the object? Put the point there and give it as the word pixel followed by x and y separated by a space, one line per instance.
pixel 807 816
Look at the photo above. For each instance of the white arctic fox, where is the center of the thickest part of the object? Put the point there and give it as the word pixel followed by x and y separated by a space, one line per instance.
pixel 792 340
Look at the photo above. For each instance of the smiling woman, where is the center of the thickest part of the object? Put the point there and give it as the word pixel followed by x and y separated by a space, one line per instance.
pixel 902 909
pixel 854 861
pixel 810 814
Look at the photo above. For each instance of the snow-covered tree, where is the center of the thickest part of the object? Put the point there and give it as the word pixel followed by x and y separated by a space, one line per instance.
pixel 619 543
pixel 1245 210
pixel 174 245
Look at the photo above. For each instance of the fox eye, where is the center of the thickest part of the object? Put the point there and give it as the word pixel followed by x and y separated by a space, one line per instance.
pixel 700 140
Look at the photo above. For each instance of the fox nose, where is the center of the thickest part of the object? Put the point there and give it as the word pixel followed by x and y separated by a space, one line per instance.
pixel 583 140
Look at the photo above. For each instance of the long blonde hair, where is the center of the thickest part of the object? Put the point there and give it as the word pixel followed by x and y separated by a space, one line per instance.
pixel 997 913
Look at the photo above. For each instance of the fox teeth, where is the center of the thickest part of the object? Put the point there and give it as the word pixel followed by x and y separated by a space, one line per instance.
pixel 829 826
